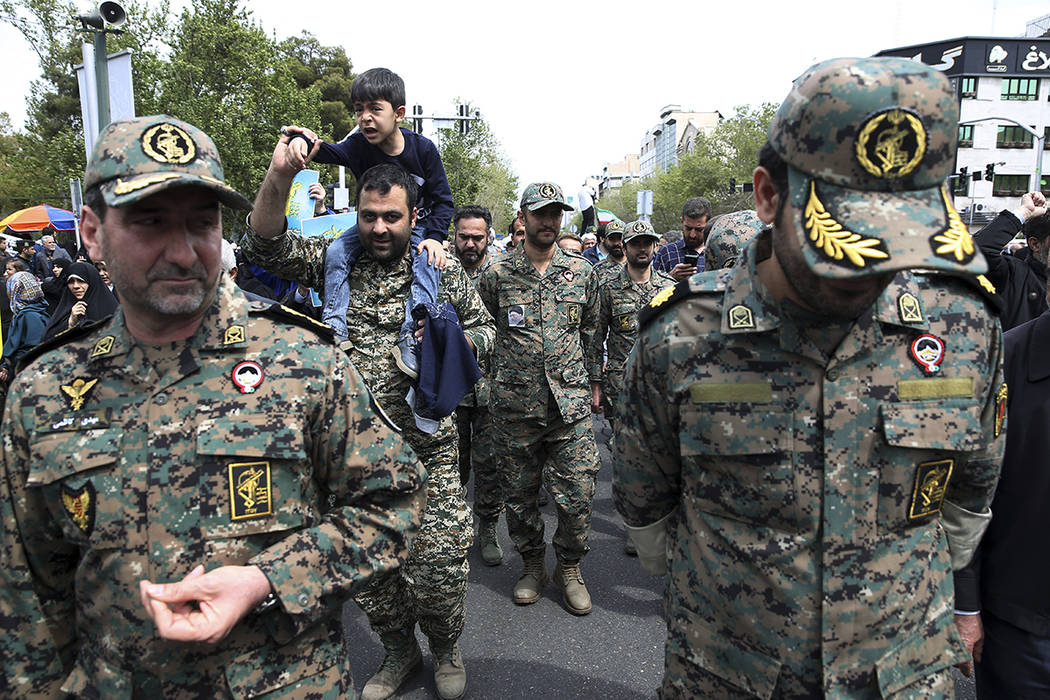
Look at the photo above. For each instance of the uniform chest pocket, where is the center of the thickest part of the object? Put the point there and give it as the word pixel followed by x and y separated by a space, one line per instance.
pixel 737 463
pixel 517 308
pixel 624 319
pixel 570 306
pixel 251 476
pixel 80 474
pixel 927 443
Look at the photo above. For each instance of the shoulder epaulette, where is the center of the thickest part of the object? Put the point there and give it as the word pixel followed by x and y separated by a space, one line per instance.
pixel 977 283
pixel 664 299
pixel 66 336
pixel 281 313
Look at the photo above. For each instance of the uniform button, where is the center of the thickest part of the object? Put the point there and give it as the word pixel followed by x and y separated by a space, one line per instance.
pixel 303 599
pixel 160 399
pixel 833 375
pixel 1033 295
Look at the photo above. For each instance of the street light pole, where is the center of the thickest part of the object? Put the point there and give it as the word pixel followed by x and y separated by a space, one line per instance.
pixel 112 14
pixel 1037 137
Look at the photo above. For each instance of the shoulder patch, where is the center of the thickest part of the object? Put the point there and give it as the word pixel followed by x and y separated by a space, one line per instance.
pixel 283 314
pixel 61 339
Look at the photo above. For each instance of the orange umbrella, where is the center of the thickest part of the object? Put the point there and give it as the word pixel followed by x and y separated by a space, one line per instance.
pixel 39 217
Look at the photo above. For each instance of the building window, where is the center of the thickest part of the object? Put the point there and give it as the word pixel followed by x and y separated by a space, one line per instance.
pixel 1013 137
pixel 966 136
pixel 1020 88
pixel 1046 137
pixel 1009 185
pixel 968 87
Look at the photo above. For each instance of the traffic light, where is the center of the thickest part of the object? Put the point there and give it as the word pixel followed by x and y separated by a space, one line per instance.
pixel 989 171
pixel 417 118
pixel 732 185
pixel 963 170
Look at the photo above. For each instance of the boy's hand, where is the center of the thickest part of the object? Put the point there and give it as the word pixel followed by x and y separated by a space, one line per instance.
pixel 435 253
pixel 293 153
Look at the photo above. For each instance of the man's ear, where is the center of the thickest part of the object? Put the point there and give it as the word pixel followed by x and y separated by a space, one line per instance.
pixel 91 232
pixel 766 196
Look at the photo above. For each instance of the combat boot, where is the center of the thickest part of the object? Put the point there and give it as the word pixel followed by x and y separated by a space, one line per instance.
pixel 534 577
pixel 488 540
pixel 568 578
pixel 450 675
pixel 402 658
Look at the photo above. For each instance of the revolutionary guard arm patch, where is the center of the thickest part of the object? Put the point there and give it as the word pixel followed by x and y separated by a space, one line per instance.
pixel 250 495
pixel 931 483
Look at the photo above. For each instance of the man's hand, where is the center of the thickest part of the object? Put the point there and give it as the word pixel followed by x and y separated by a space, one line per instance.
pixel 204 607
pixel 436 256
pixel 681 271
pixel 419 330
pixel 972 632
pixel 1033 204
pixel 317 194
pixel 596 398
pixel 291 154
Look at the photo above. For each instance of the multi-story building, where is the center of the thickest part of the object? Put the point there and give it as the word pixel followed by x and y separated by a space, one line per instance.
pixel 998 81
pixel 616 174
pixel 673 137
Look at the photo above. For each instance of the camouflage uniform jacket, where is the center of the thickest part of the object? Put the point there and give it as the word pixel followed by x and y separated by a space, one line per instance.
pixel 480 395
pixel 125 462
pixel 374 317
pixel 543 326
pixel 619 299
pixel 807 489
pixel 607 268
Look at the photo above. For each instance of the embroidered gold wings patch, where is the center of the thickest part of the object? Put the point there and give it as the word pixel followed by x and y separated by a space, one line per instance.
pixel 80 505
pixel 78 391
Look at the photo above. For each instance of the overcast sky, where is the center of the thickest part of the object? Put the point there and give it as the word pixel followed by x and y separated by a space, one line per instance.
pixel 568 86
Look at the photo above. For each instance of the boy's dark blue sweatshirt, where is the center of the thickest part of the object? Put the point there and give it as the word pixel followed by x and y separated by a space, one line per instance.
pixel 420 159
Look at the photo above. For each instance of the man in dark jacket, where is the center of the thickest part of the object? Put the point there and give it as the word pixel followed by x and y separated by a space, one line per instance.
pixel 1020 279
pixel 1002 608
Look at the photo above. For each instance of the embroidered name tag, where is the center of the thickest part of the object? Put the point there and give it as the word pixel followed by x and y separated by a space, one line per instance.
pixel 250 495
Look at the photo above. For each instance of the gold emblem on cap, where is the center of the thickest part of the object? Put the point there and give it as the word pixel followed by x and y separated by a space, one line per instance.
pixel 891 144
pixel 741 317
pixel 909 308
pixel 104 346
pixel 956 243
pixel 125 186
pixel 547 191
pixel 167 143
pixel 234 334
pixel 837 243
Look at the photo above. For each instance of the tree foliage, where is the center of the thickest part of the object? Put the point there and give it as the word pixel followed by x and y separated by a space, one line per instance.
pixel 478 171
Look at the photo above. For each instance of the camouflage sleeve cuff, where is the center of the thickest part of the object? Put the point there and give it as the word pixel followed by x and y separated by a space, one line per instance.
pixel 253 242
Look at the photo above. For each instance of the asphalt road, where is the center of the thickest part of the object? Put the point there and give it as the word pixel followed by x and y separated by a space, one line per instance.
pixel 540 651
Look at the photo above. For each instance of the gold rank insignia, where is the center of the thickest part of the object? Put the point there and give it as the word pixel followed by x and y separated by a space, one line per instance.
pixel 661 296
pixel 741 317
pixel 78 391
pixel 80 505
pixel 909 309
pixel 891 144
pixel 986 284
pixel 250 495
pixel 931 483
pixel 167 143
pixel 625 322
pixel 1000 409
pixel 104 346
pixel 573 313
pixel 234 334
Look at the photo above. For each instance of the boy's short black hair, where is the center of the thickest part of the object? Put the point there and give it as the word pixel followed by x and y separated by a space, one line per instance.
pixel 380 178
pixel 378 84
pixel 472 211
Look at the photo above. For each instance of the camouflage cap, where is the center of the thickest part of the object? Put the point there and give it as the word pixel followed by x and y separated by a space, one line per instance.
pixel 729 234
pixel 869 143
pixel 540 194
pixel 615 226
pixel 639 228
pixel 136 158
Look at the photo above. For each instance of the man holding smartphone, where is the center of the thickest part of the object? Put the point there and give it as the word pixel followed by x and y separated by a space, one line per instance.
pixel 681 259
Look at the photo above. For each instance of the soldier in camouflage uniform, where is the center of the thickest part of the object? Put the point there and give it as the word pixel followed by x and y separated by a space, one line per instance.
pixel 431 588
pixel 815 433
pixel 613 262
pixel 473 421
pixel 620 296
pixel 545 307
pixel 729 234
pixel 192 487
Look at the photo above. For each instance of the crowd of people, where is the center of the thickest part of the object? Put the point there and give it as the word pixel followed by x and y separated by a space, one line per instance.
pixel 807 400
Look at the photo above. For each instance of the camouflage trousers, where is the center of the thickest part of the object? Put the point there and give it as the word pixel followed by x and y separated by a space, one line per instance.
pixel 475 450
pixel 431 586
pixel 564 458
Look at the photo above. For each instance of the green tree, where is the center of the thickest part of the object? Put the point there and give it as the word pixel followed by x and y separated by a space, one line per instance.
pixel 478 172
pixel 329 70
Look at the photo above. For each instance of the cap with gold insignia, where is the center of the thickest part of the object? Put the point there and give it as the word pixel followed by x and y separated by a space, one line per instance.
pixel 615 226
pixel 540 194
pixel 637 229
pixel 728 236
pixel 869 143
pixel 136 158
